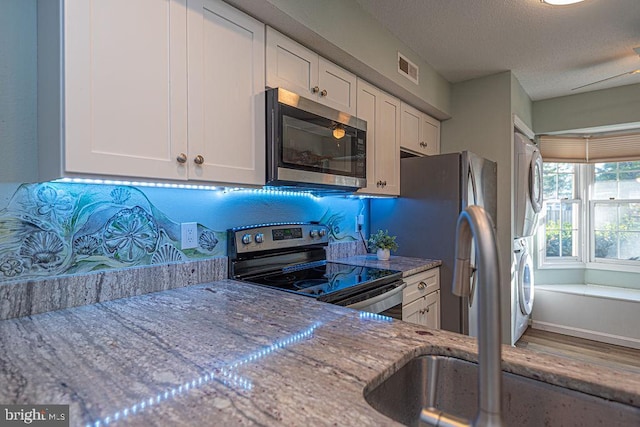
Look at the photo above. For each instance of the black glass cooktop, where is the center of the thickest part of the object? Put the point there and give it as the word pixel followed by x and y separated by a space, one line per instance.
pixel 326 281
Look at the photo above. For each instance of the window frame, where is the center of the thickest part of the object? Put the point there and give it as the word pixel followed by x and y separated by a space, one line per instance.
pixel 583 189
pixel 592 235
pixel 564 261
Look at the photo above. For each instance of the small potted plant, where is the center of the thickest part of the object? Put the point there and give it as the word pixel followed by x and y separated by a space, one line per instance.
pixel 383 243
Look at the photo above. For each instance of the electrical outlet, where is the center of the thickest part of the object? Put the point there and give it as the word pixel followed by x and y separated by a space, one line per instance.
pixel 359 222
pixel 189 232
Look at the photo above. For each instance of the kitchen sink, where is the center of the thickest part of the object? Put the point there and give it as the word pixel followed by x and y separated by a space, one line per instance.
pixel 451 385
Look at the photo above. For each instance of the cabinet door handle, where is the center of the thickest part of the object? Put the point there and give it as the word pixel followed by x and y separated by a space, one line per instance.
pixel 423 144
pixel 182 158
pixel 315 89
pixel 384 183
pixel 422 285
pixel 198 160
pixel 323 93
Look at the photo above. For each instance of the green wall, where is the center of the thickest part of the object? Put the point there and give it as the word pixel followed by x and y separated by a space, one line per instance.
pixel 18 91
pixel 482 123
pixel 521 104
pixel 344 33
pixel 585 110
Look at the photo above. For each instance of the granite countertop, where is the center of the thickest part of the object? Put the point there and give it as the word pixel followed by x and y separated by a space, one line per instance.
pixel 407 265
pixel 228 353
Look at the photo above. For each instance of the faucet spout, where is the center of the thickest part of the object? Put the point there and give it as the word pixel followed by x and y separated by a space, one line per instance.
pixel 474 225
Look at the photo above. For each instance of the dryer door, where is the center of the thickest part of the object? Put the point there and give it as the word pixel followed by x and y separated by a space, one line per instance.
pixel 535 181
pixel 525 282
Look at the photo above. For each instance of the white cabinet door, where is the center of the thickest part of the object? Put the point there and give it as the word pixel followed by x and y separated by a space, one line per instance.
pixel 430 135
pixel 420 132
pixel 382 114
pixel 424 311
pixel 337 87
pixel 432 310
pixel 387 159
pixel 294 67
pixel 410 134
pixel 125 87
pixel 367 111
pixel 226 94
pixel 411 312
pixel 291 65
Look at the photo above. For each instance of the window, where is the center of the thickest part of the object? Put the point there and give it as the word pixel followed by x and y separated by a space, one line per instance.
pixel 562 213
pixel 615 212
pixel 608 195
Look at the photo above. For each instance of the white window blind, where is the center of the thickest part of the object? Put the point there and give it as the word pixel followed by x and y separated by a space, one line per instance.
pixel 596 149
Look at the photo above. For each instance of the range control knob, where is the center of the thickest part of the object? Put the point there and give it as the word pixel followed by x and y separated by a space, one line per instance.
pixel 322 232
pixel 259 238
pixel 313 234
pixel 246 239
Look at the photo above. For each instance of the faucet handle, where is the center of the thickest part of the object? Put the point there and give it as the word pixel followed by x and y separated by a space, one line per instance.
pixel 461 272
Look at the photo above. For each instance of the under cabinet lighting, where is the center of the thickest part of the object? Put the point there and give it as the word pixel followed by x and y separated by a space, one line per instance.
pixel 266 190
pixel 136 183
pixel 560 2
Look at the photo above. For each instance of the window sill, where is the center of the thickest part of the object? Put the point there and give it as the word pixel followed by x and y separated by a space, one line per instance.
pixel 591 266
pixel 563 266
pixel 612 267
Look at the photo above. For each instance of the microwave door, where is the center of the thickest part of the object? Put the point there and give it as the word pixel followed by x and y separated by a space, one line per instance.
pixel 307 149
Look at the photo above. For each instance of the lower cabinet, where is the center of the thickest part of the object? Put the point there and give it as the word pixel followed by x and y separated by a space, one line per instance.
pixel 421 299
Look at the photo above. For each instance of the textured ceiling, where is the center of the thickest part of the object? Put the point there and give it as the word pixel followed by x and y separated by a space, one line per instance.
pixel 551 50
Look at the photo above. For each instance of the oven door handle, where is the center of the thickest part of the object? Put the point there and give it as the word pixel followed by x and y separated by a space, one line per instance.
pixel 362 304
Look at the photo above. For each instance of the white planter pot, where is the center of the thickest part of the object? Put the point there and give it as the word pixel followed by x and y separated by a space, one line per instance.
pixel 383 254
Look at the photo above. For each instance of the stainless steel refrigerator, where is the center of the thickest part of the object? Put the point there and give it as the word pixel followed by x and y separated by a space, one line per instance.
pixel 433 192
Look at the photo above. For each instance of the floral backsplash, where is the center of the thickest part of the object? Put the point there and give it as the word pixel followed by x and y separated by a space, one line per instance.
pixel 50 229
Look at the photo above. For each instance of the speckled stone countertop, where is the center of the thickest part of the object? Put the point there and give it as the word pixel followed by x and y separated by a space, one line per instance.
pixel 407 265
pixel 228 353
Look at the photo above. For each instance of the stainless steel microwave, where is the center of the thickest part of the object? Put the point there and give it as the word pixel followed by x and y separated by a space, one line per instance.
pixel 312 145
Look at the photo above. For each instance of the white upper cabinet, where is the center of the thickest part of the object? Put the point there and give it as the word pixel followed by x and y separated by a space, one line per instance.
pixel 300 70
pixel 125 87
pixel 420 132
pixel 382 114
pixel 157 89
pixel 226 94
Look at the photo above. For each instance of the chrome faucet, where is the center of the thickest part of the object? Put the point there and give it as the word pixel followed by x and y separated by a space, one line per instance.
pixel 475 224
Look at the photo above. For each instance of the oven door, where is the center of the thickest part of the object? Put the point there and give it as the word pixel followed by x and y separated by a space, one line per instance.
pixel 377 300
pixel 309 143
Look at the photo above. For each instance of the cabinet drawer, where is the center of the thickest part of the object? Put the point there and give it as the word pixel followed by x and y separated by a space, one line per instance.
pixel 421 284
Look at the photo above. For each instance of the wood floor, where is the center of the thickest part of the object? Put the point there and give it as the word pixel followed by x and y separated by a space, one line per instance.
pixel 593 352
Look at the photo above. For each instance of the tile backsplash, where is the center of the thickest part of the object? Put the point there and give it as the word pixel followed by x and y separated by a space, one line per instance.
pixel 49 229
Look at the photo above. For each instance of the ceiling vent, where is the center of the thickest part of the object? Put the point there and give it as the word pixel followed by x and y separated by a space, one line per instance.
pixel 408 68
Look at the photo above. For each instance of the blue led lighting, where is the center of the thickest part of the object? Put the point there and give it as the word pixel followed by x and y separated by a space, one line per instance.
pixel 267 191
pixel 225 375
pixel 270 191
pixel 372 316
pixel 137 183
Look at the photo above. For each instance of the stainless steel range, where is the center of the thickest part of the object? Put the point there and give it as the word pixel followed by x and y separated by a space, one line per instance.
pixel 291 257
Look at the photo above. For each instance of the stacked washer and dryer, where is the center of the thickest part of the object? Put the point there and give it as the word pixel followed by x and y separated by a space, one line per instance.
pixel 528 204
